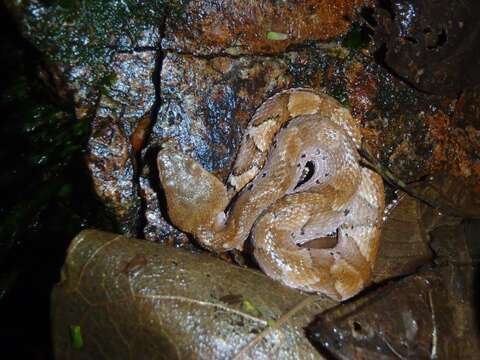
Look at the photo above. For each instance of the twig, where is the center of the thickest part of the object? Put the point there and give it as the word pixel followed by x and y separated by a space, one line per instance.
pixel 392 349
pixel 433 352
pixel 282 320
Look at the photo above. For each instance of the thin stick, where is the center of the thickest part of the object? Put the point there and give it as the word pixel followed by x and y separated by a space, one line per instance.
pixel 282 320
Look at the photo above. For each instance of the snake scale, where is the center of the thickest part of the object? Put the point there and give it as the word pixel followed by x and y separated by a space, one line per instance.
pixel 296 189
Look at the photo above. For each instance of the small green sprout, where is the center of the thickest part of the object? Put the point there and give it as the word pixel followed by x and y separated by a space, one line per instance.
pixel 249 308
pixel 276 36
pixel 271 323
pixel 76 337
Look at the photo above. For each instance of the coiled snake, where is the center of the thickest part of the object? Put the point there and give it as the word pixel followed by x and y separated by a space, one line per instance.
pixel 297 188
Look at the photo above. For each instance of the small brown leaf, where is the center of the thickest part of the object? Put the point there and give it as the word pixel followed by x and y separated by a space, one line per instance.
pixel 232 299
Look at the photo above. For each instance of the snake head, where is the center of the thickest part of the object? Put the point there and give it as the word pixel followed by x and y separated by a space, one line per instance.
pixel 195 198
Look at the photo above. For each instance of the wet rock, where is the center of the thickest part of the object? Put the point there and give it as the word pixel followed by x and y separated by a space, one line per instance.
pixel 109 80
pixel 251 27
pixel 123 108
pixel 206 103
pixel 451 150
pixel 111 167
pixel 396 120
pixel 420 137
pixel 131 93
pixel 454 166
pixel 85 40
pixel 435 46
pixel 124 298
pixel 156 227
pixel 361 88
pixel 122 72
pixel 396 130
pixel 394 116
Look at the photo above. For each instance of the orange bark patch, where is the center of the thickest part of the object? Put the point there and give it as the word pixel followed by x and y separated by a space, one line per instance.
pixel 362 90
pixel 451 147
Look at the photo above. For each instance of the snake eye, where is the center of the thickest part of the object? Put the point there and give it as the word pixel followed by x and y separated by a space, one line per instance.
pixel 329 241
pixel 307 173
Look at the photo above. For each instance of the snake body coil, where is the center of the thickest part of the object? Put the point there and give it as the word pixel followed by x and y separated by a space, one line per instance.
pixel 313 213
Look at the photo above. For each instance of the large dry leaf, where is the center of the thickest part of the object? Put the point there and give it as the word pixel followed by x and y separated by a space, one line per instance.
pixel 123 298
pixel 404 241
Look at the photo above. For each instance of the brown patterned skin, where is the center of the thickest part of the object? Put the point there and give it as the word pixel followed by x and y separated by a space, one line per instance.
pixel 295 183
